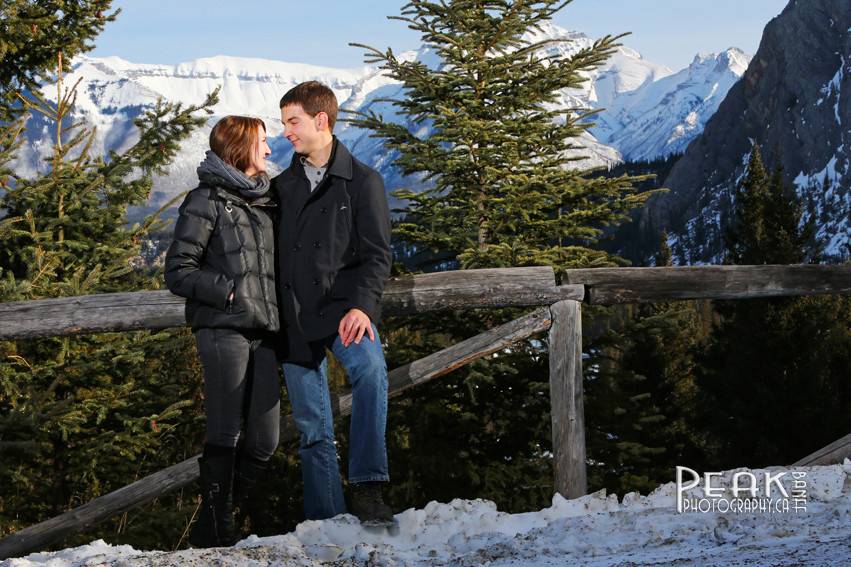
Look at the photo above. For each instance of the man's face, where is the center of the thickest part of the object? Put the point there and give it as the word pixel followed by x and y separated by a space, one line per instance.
pixel 302 130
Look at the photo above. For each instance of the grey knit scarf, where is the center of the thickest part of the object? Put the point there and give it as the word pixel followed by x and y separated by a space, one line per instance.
pixel 216 172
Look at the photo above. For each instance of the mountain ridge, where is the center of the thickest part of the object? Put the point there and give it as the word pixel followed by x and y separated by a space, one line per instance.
pixel 113 91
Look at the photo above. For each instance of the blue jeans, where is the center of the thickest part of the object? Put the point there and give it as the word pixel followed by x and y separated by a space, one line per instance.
pixel 311 402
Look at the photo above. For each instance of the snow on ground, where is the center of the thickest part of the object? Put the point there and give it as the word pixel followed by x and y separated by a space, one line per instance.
pixel 595 530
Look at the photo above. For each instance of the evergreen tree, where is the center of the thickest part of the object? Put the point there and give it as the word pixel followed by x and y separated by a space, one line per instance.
pixel 636 241
pixel 774 376
pixel 484 128
pixel 746 237
pixel 80 416
pixel 498 147
pixel 787 239
pixel 641 392
pixel 664 257
pixel 33 32
pixel 766 228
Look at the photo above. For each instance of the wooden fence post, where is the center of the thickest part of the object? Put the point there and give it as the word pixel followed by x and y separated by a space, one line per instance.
pixel 568 415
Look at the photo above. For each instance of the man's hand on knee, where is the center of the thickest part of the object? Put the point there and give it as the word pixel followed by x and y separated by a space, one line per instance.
pixel 353 326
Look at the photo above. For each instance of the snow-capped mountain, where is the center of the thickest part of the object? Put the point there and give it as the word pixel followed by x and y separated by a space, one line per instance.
pixel 662 117
pixel 112 92
pixel 793 101
pixel 649 110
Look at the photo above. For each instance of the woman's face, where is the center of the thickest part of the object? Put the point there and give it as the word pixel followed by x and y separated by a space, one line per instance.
pixel 259 155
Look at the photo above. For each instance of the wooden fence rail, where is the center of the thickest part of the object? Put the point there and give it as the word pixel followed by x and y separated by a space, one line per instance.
pixel 832 454
pixel 608 286
pixel 533 286
pixel 512 287
pixel 503 287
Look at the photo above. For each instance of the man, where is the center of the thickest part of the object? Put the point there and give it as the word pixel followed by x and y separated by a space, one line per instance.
pixel 334 257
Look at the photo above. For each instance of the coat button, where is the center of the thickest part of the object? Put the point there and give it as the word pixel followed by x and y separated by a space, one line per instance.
pixel 324 210
pixel 287 285
pixel 321 314
pixel 315 281
pixel 317 244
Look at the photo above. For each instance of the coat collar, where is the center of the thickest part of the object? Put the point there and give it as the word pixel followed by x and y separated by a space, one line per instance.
pixel 340 161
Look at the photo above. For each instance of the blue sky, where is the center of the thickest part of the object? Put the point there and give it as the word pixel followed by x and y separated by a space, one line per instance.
pixel 670 32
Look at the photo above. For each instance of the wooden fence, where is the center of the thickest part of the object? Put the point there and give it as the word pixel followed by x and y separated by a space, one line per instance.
pixel 559 313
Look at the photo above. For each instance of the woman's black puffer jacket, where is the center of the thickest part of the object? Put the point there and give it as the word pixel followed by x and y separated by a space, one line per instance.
pixel 222 243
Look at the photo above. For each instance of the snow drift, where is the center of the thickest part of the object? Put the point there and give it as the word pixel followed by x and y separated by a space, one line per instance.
pixel 596 530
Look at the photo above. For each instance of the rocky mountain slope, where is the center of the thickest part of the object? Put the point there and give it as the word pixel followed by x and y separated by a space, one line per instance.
pixel 795 102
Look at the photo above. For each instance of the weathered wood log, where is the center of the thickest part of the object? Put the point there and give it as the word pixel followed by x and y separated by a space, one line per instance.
pixel 567 408
pixel 495 287
pixel 43 534
pixel 448 359
pixel 451 290
pixel 637 285
pixel 833 454
pixel 512 287
pixel 433 366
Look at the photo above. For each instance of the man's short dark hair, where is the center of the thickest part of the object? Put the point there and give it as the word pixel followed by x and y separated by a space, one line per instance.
pixel 313 97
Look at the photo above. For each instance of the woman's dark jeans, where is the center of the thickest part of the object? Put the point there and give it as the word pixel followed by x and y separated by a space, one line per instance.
pixel 241 382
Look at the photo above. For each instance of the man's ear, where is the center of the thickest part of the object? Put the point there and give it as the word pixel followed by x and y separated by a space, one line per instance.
pixel 321 119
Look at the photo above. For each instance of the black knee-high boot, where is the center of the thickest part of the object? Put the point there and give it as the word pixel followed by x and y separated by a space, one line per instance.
pixel 250 472
pixel 214 525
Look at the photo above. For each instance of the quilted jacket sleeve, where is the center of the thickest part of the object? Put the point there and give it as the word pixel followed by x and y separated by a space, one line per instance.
pixel 184 274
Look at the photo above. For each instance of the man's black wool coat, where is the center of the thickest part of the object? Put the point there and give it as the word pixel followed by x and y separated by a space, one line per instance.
pixel 333 249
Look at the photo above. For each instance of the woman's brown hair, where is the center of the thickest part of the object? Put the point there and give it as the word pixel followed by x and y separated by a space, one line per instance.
pixel 235 138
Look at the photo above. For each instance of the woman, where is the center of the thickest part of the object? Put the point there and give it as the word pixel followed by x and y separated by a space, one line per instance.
pixel 222 262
